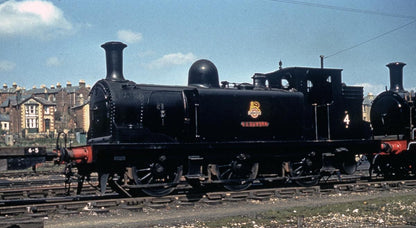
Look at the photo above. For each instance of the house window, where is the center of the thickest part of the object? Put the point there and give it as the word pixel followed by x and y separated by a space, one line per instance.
pixel 31 123
pixel 47 111
pixel 47 124
pixel 31 109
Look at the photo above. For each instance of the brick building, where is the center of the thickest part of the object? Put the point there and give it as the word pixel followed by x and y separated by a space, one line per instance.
pixel 82 117
pixel 5 92
pixel 67 98
pixel 45 110
pixel 368 100
pixel 4 123
pixel 37 115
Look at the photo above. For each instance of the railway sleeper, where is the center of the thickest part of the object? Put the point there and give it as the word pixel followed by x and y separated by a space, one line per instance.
pixel 144 186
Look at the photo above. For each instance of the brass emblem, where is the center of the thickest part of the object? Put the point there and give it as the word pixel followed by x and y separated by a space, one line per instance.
pixel 254 110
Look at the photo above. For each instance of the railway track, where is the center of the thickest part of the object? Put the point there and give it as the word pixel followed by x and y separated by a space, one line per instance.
pixel 25 174
pixel 13 183
pixel 45 186
pixel 55 186
pixel 26 203
pixel 45 191
pixel 17 211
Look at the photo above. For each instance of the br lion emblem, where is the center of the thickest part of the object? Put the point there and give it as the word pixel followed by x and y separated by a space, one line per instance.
pixel 254 110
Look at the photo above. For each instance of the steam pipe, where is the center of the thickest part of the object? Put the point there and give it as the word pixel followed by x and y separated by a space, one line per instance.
pixel 322 61
pixel 114 59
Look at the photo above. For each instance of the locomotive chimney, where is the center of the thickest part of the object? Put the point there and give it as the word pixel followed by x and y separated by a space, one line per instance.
pixel 396 76
pixel 114 59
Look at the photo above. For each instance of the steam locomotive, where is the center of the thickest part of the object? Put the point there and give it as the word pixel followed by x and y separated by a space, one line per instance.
pixel 296 124
pixel 393 116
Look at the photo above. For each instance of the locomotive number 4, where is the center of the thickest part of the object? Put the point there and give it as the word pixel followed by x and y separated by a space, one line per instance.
pixel 347 120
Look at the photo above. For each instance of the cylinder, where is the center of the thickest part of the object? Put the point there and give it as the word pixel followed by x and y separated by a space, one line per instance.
pixel 114 60
pixel 396 76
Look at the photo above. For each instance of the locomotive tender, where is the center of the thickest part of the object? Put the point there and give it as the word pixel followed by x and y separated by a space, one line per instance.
pixel 294 124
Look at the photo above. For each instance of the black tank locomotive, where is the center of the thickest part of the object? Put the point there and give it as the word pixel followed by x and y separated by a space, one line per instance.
pixel 393 117
pixel 391 111
pixel 293 124
pixel 125 112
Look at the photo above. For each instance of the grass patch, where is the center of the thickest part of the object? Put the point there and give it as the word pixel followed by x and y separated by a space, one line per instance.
pixel 398 210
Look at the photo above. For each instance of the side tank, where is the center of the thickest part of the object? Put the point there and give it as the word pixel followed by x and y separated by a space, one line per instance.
pixel 245 112
pixel 241 114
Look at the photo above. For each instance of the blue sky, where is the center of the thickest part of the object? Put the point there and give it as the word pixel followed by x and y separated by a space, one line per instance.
pixel 45 42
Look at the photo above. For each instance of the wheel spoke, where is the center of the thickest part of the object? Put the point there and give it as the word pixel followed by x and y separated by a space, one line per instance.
pixel 297 171
pixel 158 174
pixel 225 173
pixel 238 175
pixel 144 170
pixel 150 180
pixel 300 170
pixel 143 178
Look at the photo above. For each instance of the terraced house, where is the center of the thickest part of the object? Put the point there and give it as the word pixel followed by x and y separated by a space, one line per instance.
pixel 37 115
pixel 45 111
pixel 5 123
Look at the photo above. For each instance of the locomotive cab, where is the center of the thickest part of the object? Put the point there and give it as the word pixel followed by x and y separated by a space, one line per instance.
pixel 332 109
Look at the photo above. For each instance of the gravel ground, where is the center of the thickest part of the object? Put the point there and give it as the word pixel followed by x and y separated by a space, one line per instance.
pixel 372 209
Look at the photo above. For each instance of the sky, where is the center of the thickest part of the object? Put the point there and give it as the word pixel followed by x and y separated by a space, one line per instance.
pixel 46 42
